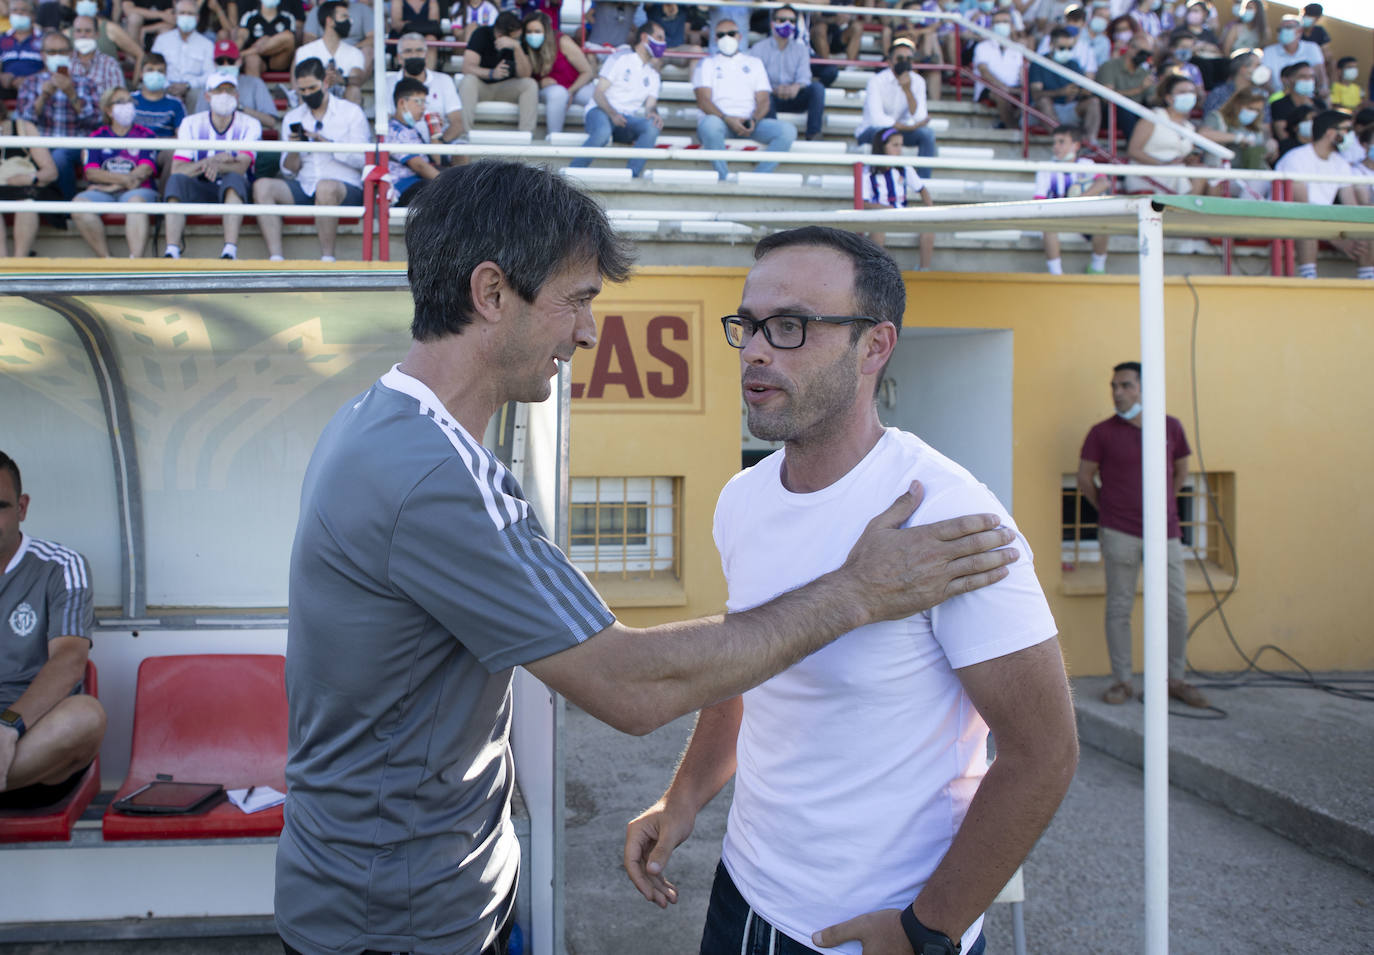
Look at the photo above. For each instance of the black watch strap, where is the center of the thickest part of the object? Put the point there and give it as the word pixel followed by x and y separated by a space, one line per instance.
pixel 926 941
pixel 13 720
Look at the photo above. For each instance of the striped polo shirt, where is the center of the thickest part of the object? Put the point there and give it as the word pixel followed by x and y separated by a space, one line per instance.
pixel 45 593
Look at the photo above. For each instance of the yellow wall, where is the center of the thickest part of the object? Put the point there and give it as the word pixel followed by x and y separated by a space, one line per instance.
pixel 1282 367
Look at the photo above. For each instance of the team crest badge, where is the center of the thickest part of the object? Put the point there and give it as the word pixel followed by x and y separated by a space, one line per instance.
pixel 23 620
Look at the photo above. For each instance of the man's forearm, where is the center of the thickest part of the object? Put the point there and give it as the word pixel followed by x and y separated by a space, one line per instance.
pixel 53 683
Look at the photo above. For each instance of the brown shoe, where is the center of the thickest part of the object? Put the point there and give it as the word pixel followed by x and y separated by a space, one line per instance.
pixel 1118 693
pixel 1187 693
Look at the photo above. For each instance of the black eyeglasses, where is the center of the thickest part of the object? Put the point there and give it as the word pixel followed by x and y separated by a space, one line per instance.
pixel 721 33
pixel 782 331
pixel 784 20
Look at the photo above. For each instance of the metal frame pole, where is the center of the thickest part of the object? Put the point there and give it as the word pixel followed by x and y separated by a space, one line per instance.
pixel 1153 482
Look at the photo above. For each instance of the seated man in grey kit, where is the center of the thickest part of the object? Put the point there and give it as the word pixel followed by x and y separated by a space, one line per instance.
pixel 49 731
pixel 420 576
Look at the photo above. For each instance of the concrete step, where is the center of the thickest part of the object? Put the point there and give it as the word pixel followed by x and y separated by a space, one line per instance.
pixel 1293 759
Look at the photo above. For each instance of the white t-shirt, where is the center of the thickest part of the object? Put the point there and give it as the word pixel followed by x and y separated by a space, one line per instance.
pixel 633 82
pixel 890 185
pixel 1004 63
pixel 856 765
pixel 1063 185
pixel 443 96
pixel 1305 159
pixel 243 128
pixel 885 101
pixel 733 81
pixel 343 122
pixel 347 57
pixel 189 59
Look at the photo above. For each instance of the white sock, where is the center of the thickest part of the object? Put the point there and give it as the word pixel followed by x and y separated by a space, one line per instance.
pixel 1100 261
pixel 1307 270
pixel 276 258
pixel 1365 272
pixel 174 251
pixel 230 249
pixel 328 258
pixel 1055 266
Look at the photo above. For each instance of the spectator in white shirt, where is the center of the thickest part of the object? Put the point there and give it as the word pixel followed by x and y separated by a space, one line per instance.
pixel 1292 48
pixel 888 187
pixel 212 175
pixel 734 96
pixel 626 96
pixel 344 64
pixel 999 67
pixel 321 179
pixel 254 97
pixel 896 97
pixel 443 108
pixel 1068 142
pixel 1332 131
pixel 190 56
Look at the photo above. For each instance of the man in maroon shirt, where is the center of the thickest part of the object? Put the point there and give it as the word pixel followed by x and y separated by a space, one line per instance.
pixel 1111 453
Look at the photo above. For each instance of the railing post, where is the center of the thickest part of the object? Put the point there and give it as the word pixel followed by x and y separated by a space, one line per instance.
pixel 858 185
pixel 1111 129
pixel 958 65
pixel 1025 110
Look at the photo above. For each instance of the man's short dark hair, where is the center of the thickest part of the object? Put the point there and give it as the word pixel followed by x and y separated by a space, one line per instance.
pixel 1365 117
pixel 1347 61
pixel 1313 10
pixel 1070 129
pixel 507 22
pixel 528 220
pixel 645 29
pixel 1327 119
pixel 155 59
pixel 879 291
pixel 1060 33
pixel 328 8
pixel 7 464
pixel 786 6
pixel 408 86
pixel 1291 70
pixel 309 67
pixel 1128 366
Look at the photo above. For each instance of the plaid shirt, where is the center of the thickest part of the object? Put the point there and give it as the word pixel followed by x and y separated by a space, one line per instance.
pixel 103 71
pixel 59 116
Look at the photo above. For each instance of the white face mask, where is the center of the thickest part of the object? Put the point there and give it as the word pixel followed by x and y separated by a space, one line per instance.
pixel 1261 75
pixel 186 22
pixel 729 45
pixel 87 8
pixel 1350 74
pixel 223 104
pixel 84 45
pixel 1130 412
pixel 1002 28
pixel 122 113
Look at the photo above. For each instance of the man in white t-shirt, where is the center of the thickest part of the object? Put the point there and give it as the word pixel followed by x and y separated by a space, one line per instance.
pixel 1332 131
pixel 213 175
pixel 861 775
pixel 1292 48
pixel 344 64
pixel 734 96
pixel 443 108
pixel 190 56
pixel 626 96
pixel 320 179
pixel 999 67
pixel 896 97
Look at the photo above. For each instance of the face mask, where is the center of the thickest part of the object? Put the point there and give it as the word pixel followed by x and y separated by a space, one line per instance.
pixel 1123 37
pixel 223 104
pixel 122 113
pixel 1287 35
pixel 987 6
pixel 343 27
pixel 186 23
pixel 1248 16
pixel 1261 75
pixel 1098 24
pixel 20 23
pixel 57 61
pixel 1156 4
pixel 534 40
pixel 269 7
pixel 314 100
pixel 657 48
pixel 1350 142
pixel 1130 412
pixel 728 45
pixel 1063 56
pixel 900 66
pixel 1183 54
pixel 784 30
pixel 415 65
pixel 1350 74
pixel 84 45
pixel 1305 87
pixel 1247 116
pixel 154 80
pixel 87 8
pixel 231 69
pixel 1309 21
pixel 1305 129
pixel 406 118
pixel 1184 102
pixel 1002 29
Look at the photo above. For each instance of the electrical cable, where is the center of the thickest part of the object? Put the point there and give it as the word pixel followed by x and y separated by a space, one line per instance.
pixel 1353 688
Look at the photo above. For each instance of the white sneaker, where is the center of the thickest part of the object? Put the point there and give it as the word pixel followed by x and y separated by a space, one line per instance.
pixel 276 258
pixel 328 258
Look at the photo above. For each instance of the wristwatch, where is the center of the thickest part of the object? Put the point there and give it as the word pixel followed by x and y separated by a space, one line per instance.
pixel 14 721
pixel 926 941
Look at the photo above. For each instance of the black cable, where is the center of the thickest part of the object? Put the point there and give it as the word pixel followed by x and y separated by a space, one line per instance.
pixel 1362 688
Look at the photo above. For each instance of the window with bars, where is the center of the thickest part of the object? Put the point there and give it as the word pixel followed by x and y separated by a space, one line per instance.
pixel 626 527
pixel 1199 513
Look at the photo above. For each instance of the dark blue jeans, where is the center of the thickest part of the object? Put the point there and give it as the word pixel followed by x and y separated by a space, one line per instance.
pixel 809 100
pixel 732 928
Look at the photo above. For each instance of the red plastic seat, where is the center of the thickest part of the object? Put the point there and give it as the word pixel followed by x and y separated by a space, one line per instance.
pixel 54 823
pixel 207 718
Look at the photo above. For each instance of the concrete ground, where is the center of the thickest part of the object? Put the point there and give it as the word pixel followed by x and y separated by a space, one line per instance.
pixel 1236 886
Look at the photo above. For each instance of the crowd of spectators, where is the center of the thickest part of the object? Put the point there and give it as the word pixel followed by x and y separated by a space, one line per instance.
pixel 239 70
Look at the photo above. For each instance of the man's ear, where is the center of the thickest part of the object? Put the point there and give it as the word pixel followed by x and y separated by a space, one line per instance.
pixel 489 290
pixel 880 342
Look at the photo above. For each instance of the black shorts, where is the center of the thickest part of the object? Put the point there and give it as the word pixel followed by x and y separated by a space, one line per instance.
pixel 39 796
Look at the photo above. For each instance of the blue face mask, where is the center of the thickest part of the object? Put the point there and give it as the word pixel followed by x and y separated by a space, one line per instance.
pixel 87 8
pixel 1098 25
pixel 155 80
pixel 1183 54
pixel 1305 129
pixel 1002 29
pixel 1287 35
pixel 1247 116
pixel 406 118
pixel 534 40
pixel 20 23
pixel 1063 56
pixel 1305 87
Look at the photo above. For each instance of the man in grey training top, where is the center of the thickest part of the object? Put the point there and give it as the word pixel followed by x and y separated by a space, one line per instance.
pixel 49 733
pixel 420 577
